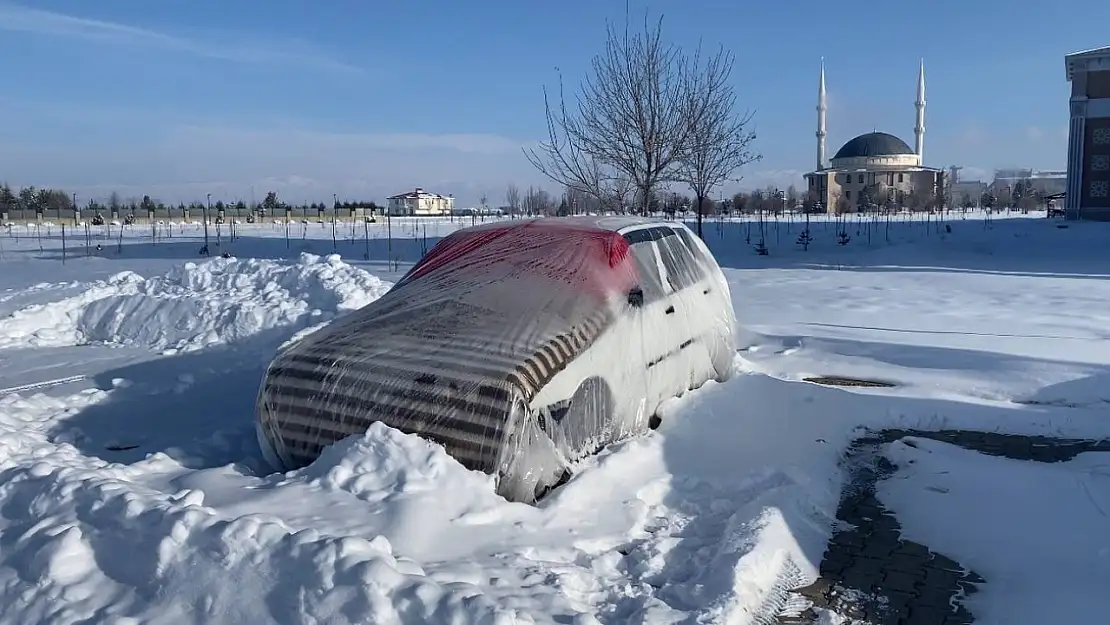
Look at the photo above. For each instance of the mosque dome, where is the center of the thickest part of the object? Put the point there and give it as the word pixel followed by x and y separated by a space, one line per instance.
pixel 873 144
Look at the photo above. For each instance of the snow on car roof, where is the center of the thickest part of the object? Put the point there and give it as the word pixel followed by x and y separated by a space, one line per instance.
pixel 611 223
pixel 581 223
pixel 577 250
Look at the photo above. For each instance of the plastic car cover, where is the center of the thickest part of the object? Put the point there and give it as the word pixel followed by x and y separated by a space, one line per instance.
pixel 520 346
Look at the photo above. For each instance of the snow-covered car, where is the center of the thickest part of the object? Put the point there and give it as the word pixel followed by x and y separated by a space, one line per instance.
pixel 521 346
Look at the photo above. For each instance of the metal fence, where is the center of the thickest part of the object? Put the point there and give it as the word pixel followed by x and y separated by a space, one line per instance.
pixel 187 214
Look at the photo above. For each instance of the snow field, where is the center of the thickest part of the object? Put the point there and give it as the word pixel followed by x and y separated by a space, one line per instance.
pixel 136 495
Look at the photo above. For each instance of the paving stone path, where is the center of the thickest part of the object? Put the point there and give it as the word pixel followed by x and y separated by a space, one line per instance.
pixel 870 574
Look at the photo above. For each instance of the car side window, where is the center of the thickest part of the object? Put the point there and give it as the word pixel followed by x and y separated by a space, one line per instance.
pixel 681 267
pixel 694 250
pixel 643 252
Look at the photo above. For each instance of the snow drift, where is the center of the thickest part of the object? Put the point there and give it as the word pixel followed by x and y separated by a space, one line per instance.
pixel 195 305
pixel 79 518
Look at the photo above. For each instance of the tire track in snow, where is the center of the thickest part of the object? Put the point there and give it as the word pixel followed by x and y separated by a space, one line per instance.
pixel 34 386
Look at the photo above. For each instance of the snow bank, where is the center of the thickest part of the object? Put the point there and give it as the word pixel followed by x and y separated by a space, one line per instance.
pixel 418 490
pixel 196 305
pixel 386 464
pixel 86 546
pixel 84 540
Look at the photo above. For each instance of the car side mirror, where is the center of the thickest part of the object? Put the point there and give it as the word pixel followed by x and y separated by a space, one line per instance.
pixel 636 297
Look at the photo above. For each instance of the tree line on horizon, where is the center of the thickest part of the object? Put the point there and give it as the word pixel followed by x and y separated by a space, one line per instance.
pixel 771 199
pixel 32 199
pixel 537 201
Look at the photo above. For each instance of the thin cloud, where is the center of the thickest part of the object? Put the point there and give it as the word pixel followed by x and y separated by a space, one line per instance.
pixel 184 163
pixel 355 142
pixel 970 173
pixel 15 18
pixel 780 178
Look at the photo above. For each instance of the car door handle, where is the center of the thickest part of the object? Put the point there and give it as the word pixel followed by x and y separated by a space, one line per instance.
pixel 670 310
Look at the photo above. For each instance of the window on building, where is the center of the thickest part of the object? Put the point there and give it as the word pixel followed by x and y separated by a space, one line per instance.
pixel 860 179
pixel 900 177
pixel 847 195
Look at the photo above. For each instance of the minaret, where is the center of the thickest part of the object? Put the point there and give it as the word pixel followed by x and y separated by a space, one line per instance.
pixel 822 106
pixel 919 129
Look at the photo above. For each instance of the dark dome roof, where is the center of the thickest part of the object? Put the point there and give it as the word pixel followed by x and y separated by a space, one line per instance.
pixel 873 144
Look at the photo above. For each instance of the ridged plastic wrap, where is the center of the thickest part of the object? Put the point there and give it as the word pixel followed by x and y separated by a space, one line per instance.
pixel 520 346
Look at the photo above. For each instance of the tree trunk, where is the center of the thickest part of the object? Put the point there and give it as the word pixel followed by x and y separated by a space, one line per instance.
pixel 699 202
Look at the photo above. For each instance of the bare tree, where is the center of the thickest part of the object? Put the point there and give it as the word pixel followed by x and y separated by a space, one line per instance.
pixel 538 202
pixel 719 141
pixel 918 199
pixel 629 120
pixel 811 200
pixel 1029 201
pixel 512 199
pixel 741 202
pixel 792 197
pixel 615 193
pixel 942 194
pixel 562 157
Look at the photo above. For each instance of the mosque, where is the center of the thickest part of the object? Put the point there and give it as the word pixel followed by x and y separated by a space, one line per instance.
pixel 874 167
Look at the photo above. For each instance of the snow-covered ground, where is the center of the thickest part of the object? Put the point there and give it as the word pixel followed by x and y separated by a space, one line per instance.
pixel 132 489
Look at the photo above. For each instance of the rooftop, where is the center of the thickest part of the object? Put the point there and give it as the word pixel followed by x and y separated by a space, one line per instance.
pixel 873 144
pixel 1070 60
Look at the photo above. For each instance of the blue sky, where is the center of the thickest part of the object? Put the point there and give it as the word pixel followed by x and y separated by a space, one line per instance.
pixel 178 98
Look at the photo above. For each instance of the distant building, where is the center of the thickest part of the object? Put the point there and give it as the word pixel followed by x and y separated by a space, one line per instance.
pixel 1041 183
pixel 1088 176
pixel 420 203
pixel 872 168
pixel 963 193
pixel 966 192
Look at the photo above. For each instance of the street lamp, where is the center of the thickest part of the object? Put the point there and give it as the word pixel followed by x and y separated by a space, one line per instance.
pixel 207 210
